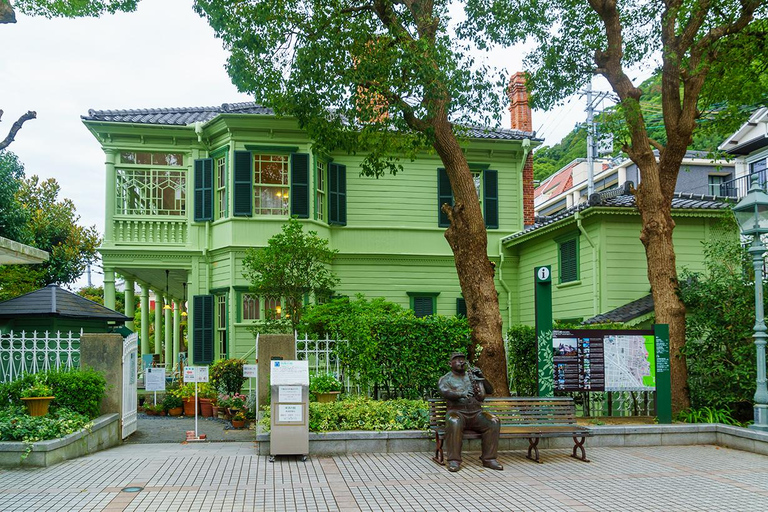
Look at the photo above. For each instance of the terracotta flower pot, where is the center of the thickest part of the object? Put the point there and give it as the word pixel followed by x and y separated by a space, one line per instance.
pixel 206 408
pixel 330 396
pixel 176 411
pixel 238 423
pixel 215 410
pixel 189 406
pixel 38 405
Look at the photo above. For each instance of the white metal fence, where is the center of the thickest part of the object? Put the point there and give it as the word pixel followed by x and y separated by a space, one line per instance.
pixel 37 352
pixel 319 354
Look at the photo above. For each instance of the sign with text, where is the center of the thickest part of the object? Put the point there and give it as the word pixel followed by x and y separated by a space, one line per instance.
pixel 289 372
pixel 250 371
pixel 195 374
pixel 601 360
pixel 154 379
pixel 290 413
pixel 289 394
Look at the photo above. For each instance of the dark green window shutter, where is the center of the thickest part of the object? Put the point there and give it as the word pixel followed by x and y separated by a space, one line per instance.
pixel 422 306
pixel 337 194
pixel 491 198
pixel 300 185
pixel 202 329
pixel 243 186
pixel 444 195
pixel 203 189
pixel 569 270
pixel 461 307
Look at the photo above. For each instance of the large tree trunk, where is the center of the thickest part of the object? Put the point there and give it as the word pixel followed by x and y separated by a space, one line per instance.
pixel 468 239
pixel 656 236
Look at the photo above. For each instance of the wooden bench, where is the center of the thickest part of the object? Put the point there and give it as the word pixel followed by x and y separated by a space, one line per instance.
pixel 521 417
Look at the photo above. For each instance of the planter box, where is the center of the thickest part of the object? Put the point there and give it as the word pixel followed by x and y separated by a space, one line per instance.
pixel 104 434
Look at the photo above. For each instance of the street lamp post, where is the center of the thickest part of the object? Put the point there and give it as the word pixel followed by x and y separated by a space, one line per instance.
pixel 752 216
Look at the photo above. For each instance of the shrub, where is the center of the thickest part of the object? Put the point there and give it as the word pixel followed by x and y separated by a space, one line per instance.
pixel 719 350
pixel 38 389
pixel 708 415
pixel 362 413
pixel 226 375
pixel 388 348
pixel 523 360
pixel 80 391
pixel 324 383
pixel 16 425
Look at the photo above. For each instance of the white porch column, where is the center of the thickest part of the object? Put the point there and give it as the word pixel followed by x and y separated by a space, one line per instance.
pixel 167 334
pixel 129 309
pixel 158 322
pixel 109 288
pixel 110 197
pixel 144 319
pixel 176 330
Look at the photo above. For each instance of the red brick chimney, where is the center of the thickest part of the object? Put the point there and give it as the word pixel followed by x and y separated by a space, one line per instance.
pixel 520 115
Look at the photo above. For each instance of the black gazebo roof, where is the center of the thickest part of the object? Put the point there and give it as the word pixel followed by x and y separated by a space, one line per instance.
pixel 54 301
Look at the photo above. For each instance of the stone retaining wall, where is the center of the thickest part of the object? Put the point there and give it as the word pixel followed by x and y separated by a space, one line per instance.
pixel 104 434
pixel 339 443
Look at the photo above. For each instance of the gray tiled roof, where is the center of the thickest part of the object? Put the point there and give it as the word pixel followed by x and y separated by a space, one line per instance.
pixel 54 301
pixel 615 198
pixel 183 116
pixel 625 313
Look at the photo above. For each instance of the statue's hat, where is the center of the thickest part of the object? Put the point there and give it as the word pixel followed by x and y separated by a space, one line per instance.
pixel 454 355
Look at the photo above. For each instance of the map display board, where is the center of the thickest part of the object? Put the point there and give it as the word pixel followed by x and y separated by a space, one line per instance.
pixel 592 360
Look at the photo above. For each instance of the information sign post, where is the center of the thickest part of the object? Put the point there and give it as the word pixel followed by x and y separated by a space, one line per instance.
pixel 663 379
pixel 543 312
pixel 195 374
pixel 154 380
pixel 289 418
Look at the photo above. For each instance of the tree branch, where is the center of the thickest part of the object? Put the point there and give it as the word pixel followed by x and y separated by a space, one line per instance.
pixel 656 144
pixel 6 12
pixel 16 127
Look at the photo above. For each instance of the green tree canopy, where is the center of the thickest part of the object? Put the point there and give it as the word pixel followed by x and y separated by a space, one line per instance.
pixel 46 222
pixel 13 217
pixel 387 80
pixel 293 267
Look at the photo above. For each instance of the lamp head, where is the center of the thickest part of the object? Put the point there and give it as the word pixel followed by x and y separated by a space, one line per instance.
pixel 752 211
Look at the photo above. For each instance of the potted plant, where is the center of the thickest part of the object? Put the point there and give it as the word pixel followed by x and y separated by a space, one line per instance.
pixel 172 404
pixel 37 397
pixel 227 375
pixel 187 395
pixel 325 386
pixel 207 395
pixel 238 420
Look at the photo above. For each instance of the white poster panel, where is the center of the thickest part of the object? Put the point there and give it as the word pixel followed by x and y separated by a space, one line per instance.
pixel 195 374
pixel 289 372
pixel 250 371
pixel 289 394
pixel 290 412
pixel 154 379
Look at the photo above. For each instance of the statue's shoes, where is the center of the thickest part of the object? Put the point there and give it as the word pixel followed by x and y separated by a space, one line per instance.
pixel 454 466
pixel 493 464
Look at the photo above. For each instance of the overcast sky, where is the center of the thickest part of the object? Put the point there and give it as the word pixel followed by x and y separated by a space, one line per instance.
pixel 162 55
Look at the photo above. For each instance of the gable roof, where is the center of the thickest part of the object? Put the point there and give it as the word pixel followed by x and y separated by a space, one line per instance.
pixel 183 116
pixel 623 198
pixel 626 313
pixel 737 144
pixel 54 301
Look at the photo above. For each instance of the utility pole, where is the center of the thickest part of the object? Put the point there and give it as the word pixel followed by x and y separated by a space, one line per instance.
pixel 590 142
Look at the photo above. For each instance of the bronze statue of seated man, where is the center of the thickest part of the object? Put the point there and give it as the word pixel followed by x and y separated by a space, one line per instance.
pixel 464 392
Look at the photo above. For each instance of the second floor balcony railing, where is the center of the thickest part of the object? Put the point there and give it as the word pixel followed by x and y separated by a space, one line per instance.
pixel 170 230
pixel 738 188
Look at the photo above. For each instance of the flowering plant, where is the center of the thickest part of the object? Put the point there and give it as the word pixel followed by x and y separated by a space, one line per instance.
pixel 38 389
pixel 236 401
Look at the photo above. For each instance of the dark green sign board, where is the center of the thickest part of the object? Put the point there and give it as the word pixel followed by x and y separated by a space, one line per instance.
pixel 543 298
pixel 663 379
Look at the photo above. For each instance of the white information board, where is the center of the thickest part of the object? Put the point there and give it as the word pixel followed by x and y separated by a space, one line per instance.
pixel 154 379
pixel 290 412
pixel 290 394
pixel 195 374
pixel 289 372
pixel 250 371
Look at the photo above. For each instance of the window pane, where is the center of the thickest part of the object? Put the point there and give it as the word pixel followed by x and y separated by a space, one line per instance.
pixel 271 201
pixel 150 192
pixel 128 158
pixel 270 169
pixel 144 158
pixel 272 305
pixel 250 307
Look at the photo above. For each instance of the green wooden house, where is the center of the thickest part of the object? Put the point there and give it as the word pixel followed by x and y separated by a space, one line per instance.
pixel 53 309
pixel 188 190
pixel 599 267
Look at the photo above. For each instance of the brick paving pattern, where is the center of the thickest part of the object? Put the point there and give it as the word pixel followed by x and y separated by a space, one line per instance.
pixel 231 477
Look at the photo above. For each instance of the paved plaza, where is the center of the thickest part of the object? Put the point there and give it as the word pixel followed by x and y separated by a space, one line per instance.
pixel 231 477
